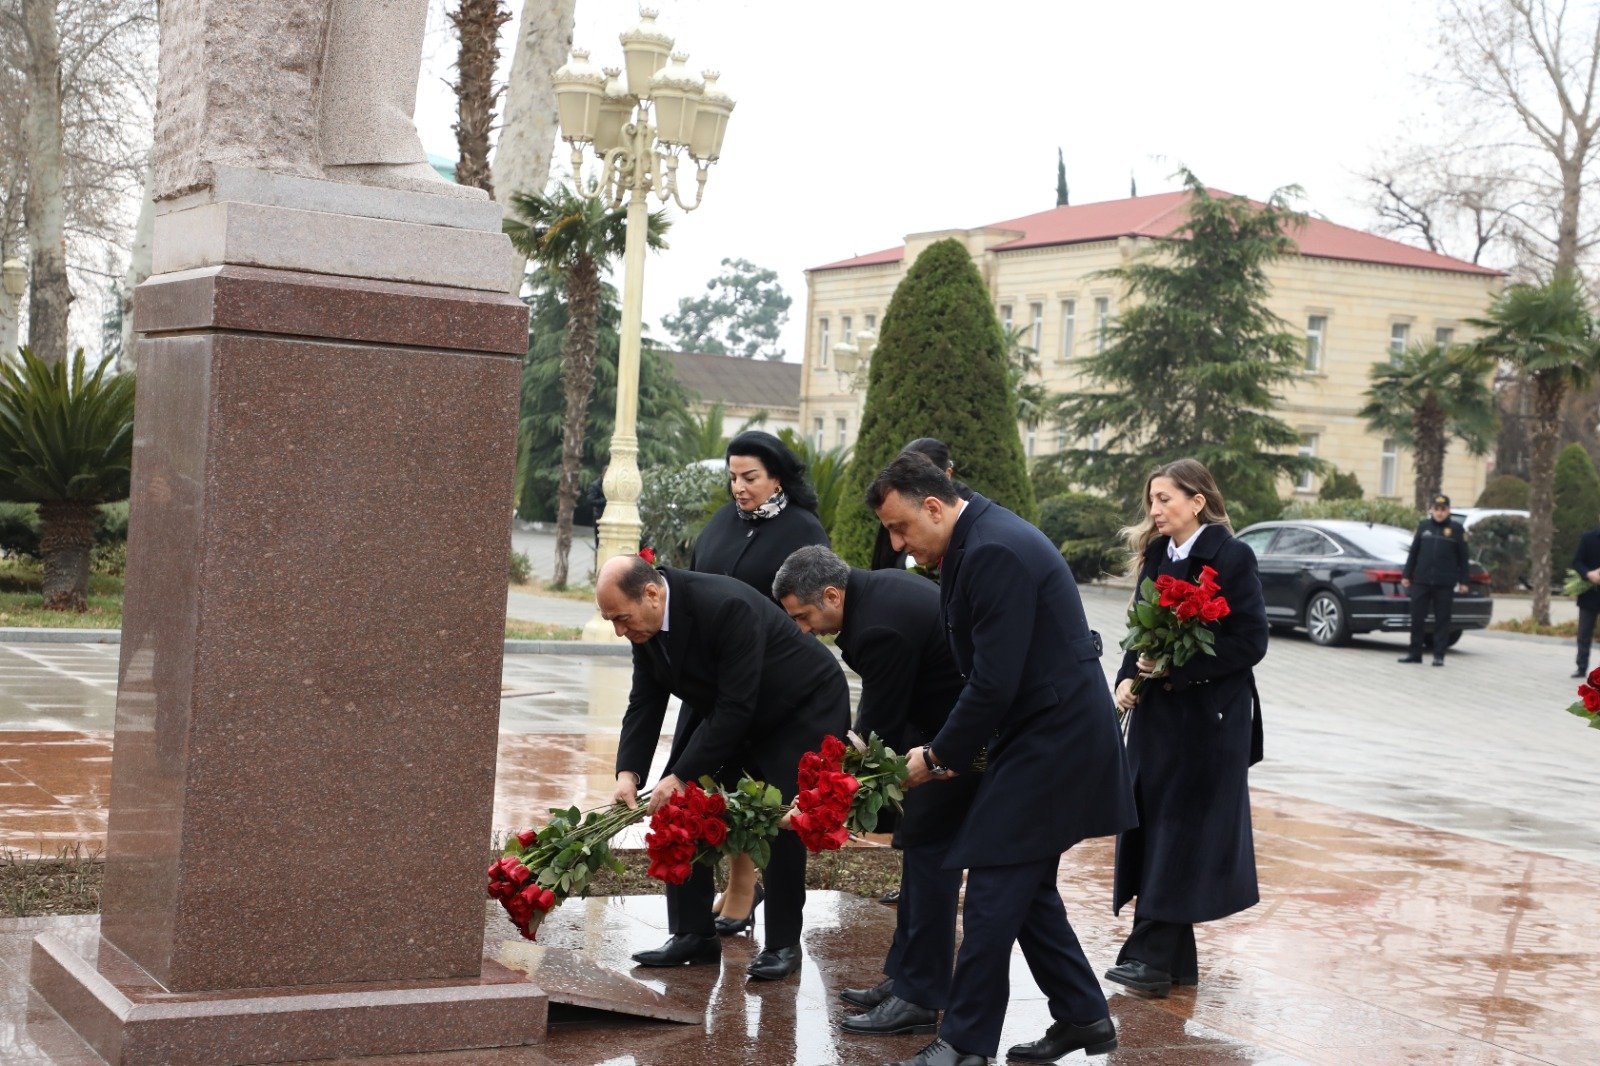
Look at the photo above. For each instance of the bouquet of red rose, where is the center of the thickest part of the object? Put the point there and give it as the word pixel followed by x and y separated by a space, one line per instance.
pixel 1167 620
pixel 1588 705
pixel 542 868
pixel 685 830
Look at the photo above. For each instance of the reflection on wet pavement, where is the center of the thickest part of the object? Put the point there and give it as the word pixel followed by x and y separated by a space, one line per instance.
pixel 1377 940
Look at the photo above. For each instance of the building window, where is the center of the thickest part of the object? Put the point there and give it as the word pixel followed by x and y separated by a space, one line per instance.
pixel 1388 468
pixel 1032 440
pixel 1094 441
pixel 842 424
pixel 1445 335
pixel 869 322
pixel 1316 330
pixel 1308 450
pixel 1005 317
pixel 1399 337
pixel 1102 321
pixel 1061 437
pixel 1036 329
pixel 816 433
pixel 823 345
pixel 1069 326
pixel 844 328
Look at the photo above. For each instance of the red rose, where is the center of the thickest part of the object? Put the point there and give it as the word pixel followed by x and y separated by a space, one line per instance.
pixel 1208 579
pixel 1214 610
pixel 527 837
pixel 1172 595
pixel 519 873
pixel 833 750
pixel 1186 610
pixel 1165 582
pixel 1594 677
pixel 1590 697
pixel 714 831
pixel 648 554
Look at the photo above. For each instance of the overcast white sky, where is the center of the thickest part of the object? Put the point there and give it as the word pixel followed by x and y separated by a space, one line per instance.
pixel 859 122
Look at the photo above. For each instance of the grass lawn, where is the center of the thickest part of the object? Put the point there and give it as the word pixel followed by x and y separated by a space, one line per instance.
pixel 540 587
pixel 20 600
pixel 517 629
pixel 69 881
pixel 1528 625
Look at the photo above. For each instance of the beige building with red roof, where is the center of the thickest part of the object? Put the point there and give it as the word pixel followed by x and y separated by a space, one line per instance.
pixel 1356 296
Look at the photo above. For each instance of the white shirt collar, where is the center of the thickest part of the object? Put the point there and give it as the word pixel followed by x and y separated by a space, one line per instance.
pixel 666 604
pixel 1179 554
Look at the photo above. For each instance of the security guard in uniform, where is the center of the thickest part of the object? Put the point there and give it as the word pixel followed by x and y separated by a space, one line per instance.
pixel 1436 569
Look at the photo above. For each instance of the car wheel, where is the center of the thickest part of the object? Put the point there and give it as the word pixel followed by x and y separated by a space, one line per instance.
pixel 1326 622
pixel 1455 638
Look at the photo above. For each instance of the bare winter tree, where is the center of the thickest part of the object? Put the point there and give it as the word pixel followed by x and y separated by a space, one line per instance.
pixel 522 152
pixel 477 24
pixel 92 95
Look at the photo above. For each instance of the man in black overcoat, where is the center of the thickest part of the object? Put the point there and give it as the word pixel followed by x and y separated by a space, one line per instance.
pixel 1436 569
pixel 890 632
pixel 1035 695
pixel 1586 561
pixel 757 694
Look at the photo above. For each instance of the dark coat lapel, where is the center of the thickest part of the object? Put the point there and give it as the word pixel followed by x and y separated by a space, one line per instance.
pixel 951 563
pixel 680 622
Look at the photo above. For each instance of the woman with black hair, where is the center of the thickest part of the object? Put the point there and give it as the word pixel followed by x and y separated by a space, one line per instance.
pixel 773 511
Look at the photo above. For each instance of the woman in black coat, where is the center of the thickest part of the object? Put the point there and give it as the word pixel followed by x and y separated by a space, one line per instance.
pixel 1586 561
pixel 1194 732
pixel 773 511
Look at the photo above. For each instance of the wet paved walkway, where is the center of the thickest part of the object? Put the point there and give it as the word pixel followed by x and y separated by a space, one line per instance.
pixel 1428 854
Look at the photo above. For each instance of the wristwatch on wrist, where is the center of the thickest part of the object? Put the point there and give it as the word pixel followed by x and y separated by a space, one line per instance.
pixel 933 768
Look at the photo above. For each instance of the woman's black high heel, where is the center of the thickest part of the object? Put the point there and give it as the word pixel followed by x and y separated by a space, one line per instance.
pixel 734 926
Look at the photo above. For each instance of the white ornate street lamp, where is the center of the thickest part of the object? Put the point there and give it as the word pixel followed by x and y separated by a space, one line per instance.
pixel 852 360
pixel 639 128
pixel 14 279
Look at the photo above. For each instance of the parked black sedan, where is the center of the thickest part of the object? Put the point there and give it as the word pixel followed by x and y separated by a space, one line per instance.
pixel 1336 578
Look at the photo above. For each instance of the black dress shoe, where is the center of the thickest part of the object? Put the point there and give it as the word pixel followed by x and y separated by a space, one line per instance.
pixel 734 926
pixel 774 964
pixel 893 1015
pixel 1141 977
pixel 1580 672
pixel 682 949
pixel 1438 660
pixel 940 1053
pixel 1411 658
pixel 867 998
pixel 891 898
pixel 1063 1038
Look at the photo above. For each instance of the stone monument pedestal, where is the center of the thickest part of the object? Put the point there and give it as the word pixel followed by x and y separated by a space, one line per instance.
pixel 308 694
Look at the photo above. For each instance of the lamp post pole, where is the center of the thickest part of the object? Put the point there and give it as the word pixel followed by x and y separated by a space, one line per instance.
pixel 638 129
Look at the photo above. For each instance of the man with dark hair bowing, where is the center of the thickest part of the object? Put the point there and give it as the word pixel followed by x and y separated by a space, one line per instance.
pixel 763 694
pixel 1034 693
pixel 890 633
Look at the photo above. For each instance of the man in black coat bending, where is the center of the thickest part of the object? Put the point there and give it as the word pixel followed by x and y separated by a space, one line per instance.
pixel 1035 695
pixel 1436 569
pixel 890 632
pixel 763 694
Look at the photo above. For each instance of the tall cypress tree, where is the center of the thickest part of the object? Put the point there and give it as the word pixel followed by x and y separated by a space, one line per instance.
pixel 939 371
pixel 1192 366
pixel 1061 179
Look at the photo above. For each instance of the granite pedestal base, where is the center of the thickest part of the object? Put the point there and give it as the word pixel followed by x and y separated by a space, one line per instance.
pixel 130 1020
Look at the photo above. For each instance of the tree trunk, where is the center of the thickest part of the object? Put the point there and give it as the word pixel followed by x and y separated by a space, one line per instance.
pixel 138 269
pixel 66 541
pixel 577 378
pixel 522 155
pixel 1544 433
pixel 1427 433
pixel 477 24
pixel 45 210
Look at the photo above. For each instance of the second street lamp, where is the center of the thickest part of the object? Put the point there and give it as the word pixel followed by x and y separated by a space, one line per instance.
pixel 639 130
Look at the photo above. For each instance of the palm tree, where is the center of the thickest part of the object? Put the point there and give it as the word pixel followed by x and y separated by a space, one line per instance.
pixel 1432 393
pixel 577 238
pixel 1547 332
pixel 825 468
pixel 66 443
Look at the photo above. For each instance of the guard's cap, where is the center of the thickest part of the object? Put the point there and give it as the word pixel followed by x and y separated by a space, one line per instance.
pixel 1441 500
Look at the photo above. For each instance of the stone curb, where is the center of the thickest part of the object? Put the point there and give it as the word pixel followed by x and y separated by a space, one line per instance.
pixel 29 635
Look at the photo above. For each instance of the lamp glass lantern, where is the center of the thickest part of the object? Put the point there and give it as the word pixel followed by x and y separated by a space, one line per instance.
pixel 644 50
pixel 580 89
pixel 710 120
pixel 14 276
pixel 676 94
